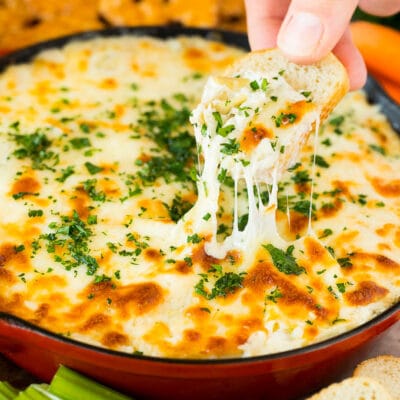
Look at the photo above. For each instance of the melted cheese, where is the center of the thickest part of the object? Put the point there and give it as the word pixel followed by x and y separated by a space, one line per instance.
pixel 97 163
pixel 252 127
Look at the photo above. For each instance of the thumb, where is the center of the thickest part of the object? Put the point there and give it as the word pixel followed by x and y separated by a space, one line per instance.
pixel 312 28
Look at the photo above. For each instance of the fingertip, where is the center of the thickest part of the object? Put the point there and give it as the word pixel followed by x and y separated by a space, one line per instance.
pixel 263 34
pixel 353 61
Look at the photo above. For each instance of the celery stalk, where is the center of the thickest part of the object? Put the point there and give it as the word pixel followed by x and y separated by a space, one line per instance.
pixel 69 385
pixel 7 392
pixel 37 392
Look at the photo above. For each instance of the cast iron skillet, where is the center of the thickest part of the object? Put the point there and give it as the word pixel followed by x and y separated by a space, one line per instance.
pixel 285 375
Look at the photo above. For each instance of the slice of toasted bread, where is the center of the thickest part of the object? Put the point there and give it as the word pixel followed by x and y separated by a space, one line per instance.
pixel 356 388
pixel 327 79
pixel 384 369
pixel 275 88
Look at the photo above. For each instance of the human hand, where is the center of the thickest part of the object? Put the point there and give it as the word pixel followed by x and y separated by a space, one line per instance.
pixel 306 30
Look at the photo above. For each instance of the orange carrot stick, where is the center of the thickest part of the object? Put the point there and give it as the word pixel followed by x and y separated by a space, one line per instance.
pixel 391 88
pixel 380 47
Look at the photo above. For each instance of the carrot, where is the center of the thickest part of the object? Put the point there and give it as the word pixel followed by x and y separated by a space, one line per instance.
pixel 391 88
pixel 380 47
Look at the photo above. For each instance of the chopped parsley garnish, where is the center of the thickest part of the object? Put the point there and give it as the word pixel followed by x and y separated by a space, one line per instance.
pixel 305 93
pixel 206 216
pixel 301 177
pixel 225 130
pixel 80 143
pixel 89 186
pixel 69 242
pixel 284 260
pixel 320 161
pixel 274 295
pixel 254 85
pixel 303 207
pixel 218 119
pixel 85 128
pixel 284 119
pixel 195 238
pixel 242 222
pixel 21 195
pixel 377 149
pixel 178 208
pixel 231 147
pixel 36 147
pixel 337 122
pixel 345 262
pixel 341 287
pixel 168 127
pixel 65 173
pixel 92 169
pixel 325 233
pixel 92 220
pixel 224 178
pixel 19 248
pixel 224 283
pixel 327 142
pixel 35 213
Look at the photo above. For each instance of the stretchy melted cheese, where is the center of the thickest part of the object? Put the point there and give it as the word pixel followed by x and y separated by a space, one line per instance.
pixel 99 164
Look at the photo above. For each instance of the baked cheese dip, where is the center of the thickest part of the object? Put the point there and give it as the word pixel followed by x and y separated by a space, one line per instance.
pixel 106 234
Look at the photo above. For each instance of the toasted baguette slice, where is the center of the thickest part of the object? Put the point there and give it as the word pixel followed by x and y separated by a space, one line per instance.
pixel 323 83
pixel 356 388
pixel 385 370
pixel 327 79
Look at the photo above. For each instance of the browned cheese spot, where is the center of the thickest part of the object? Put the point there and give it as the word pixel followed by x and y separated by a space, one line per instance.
pixel 294 301
pixel 80 203
pixel 108 83
pixel 114 339
pixel 152 255
pixel 191 335
pixel 41 313
pixel 329 210
pixel 201 258
pixel 26 184
pixel 183 267
pixel 153 209
pixel 252 136
pixel 315 252
pixel 366 292
pixel 364 262
pixel 96 321
pixel 9 257
pixel 386 188
pixel 138 298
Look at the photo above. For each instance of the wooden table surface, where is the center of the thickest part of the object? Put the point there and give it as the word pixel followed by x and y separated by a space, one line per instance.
pixel 20 378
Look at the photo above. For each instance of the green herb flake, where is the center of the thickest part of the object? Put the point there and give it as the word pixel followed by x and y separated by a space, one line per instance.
pixel 19 248
pixel 327 232
pixel 226 130
pixel 93 169
pixel 207 216
pixel 377 149
pixel 254 85
pixel 231 147
pixel 35 213
pixel 65 174
pixel 80 143
pixel 284 119
pixel 345 262
pixel 284 260
pixel 195 238
pixel 320 161
pixel 274 295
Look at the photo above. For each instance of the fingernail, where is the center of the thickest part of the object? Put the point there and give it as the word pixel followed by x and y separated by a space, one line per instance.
pixel 301 35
